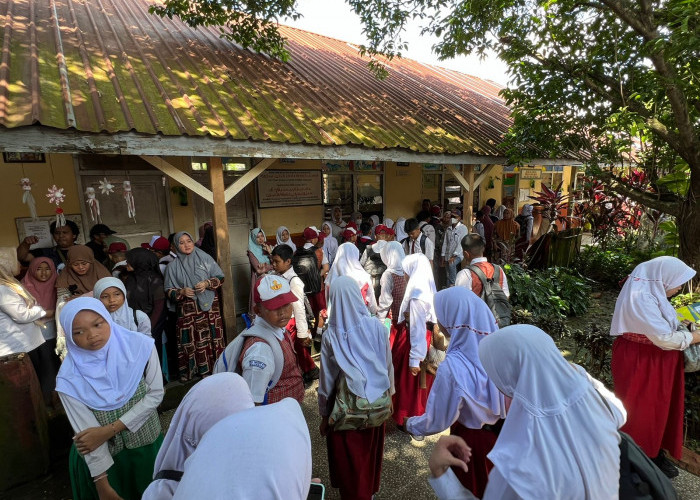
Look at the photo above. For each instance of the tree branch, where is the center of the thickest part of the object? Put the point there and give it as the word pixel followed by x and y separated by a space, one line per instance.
pixel 647 199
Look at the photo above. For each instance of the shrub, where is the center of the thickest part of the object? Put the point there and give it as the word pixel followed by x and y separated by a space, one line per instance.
pixel 607 267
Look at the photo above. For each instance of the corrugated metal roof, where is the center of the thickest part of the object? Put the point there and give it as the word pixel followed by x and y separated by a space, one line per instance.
pixel 110 66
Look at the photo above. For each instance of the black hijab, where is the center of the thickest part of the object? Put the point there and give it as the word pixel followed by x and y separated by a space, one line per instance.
pixel 144 286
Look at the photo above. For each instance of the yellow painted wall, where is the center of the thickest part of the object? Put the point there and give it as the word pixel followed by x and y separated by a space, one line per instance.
pixel 496 192
pixel 183 217
pixel 58 170
pixel 402 193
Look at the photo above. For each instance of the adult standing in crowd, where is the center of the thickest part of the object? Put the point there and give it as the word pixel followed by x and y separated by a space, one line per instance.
pixel 259 258
pixel 339 224
pixel 64 236
pixel 650 341
pixel 451 248
pixel 98 241
pixel 191 281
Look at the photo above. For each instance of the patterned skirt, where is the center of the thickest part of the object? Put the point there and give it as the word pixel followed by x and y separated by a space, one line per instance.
pixel 200 338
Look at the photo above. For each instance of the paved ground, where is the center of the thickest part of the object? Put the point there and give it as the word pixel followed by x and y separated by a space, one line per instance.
pixel 404 473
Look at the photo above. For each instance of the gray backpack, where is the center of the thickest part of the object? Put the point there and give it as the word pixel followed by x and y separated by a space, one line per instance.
pixel 494 296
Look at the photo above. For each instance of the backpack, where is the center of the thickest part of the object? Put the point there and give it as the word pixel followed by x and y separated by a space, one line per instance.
pixel 308 311
pixel 494 296
pixel 228 361
pixel 407 241
pixel 351 412
pixel 305 264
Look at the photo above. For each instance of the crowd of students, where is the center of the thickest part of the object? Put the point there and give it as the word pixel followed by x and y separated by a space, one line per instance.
pixel 523 422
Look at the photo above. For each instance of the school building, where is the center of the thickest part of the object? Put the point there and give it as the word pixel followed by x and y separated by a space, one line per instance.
pixel 96 94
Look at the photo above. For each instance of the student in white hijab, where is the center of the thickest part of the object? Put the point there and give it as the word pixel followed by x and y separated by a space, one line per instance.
pixel 280 238
pixel 356 347
pixel 650 340
pixel 207 403
pixel 462 396
pixel 330 245
pixel 347 263
pixel 110 385
pixel 108 291
pixel 400 230
pixel 389 223
pixel 375 222
pixel 263 452
pixel 411 346
pixel 392 255
pixel 560 438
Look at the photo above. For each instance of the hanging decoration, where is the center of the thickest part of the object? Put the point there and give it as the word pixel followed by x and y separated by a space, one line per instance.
pixel 28 197
pixel 93 205
pixel 129 197
pixel 106 187
pixel 56 197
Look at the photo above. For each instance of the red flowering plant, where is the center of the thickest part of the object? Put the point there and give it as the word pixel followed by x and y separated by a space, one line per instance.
pixel 554 203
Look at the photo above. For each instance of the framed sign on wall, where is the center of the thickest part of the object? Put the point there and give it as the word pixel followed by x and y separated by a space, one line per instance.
pixel 289 188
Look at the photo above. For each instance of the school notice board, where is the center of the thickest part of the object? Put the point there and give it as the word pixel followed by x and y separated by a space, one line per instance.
pixel 289 188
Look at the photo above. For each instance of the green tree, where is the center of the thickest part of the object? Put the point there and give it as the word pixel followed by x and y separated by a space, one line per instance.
pixel 612 81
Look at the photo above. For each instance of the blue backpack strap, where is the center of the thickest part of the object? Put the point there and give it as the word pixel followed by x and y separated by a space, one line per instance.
pixel 223 358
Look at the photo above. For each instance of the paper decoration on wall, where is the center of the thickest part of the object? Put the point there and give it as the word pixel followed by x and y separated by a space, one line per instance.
pixel 93 205
pixel 28 197
pixel 106 187
pixel 129 197
pixel 56 197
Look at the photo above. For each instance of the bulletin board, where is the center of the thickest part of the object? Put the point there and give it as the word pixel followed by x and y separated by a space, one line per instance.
pixel 40 227
pixel 289 188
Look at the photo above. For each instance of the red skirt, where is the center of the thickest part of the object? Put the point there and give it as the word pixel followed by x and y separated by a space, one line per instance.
pixel 355 461
pixel 409 399
pixel 306 362
pixel 481 441
pixel 651 384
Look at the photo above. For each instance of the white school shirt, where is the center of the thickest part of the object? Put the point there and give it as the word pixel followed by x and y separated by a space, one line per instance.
pixel 452 244
pixel 18 333
pixel 258 365
pixel 428 230
pixel 324 260
pixel 448 487
pixel 411 244
pixel 299 314
pixel 418 317
pixel 464 277
pixel 386 297
pixel 81 417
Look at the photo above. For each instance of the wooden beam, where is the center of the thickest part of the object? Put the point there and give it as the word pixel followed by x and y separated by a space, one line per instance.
pixel 40 139
pixel 482 175
pixel 247 178
pixel 469 202
pixel 175 173
pixel 223 247
pixel 457 175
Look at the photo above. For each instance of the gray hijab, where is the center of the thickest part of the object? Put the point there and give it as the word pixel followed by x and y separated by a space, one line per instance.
pixel 188 270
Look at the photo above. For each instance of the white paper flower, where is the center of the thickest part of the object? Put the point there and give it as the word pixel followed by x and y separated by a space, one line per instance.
pixel 56 195
pixel 106 187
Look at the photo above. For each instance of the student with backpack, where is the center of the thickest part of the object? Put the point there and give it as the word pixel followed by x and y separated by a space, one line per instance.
pixel 424 225
pixel 356 372
pixel 264 353
pixel 417 241
pixel 298 326
pixel 305 262
pixel 486 280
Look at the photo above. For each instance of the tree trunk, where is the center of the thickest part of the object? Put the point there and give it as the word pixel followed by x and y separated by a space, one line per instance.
pixel 688 223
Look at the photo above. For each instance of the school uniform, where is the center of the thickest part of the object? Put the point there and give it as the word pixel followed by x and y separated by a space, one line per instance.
pixel 468 279
pixel 452 247
pixel 428 230
pixel 411 246
pixel 298 326
pixel 347 263
pixel 393 284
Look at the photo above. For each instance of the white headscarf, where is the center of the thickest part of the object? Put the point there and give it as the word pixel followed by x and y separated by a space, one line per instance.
pixel 107 378
pixel 124 316
pixel 642 306
pixel 289 242
pixel 399 229
pixel 330 244
pixel 208 402
pixel 392 255
pixel 467 320
pixel 420 286
pixel 347 263
pixel 359 341
pixel 375 223
pixel 559 439
pixel 388 222
pixel 499 212
pixel 263 452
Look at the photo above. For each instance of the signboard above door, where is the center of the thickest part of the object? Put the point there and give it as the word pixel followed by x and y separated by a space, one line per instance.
pixel 289 188
pixel 530 173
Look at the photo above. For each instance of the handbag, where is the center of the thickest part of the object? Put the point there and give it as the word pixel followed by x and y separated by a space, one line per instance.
pixel 353 413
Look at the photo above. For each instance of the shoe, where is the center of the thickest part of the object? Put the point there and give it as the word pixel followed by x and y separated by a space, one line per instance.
pixel 665 465
pixel 311 375
pixel 416 438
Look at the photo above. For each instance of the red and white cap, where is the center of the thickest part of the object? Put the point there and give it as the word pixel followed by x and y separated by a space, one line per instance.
pixel 349 233
pixel 310 233
pixel 273 292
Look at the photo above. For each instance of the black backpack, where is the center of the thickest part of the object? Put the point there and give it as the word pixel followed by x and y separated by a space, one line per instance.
pixel 494 296
pixel 422 242
pixel 305 264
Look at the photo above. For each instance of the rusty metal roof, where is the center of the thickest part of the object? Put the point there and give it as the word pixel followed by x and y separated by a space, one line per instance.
pixel 110 66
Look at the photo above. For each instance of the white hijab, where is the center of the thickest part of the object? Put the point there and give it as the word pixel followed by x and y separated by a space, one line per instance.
pixel 289 242
pixel 358 340
pixel 467 320
pixel 107 378
pixel 375 223
pixel 208 402
pixel 642 306
pixel 399 229
pixel 347 263
pixel 559 439
pixel 389 222
pixel 124 316
pixel 330 244
pixel 499 212
pixel 420 286
pixel 263 452
pixel 392 255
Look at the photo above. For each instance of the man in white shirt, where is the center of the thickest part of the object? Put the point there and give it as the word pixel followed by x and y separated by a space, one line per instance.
pixel 417 242
pixel 451 246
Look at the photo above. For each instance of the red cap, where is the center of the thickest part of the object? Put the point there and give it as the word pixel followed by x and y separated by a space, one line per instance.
pixel 310 234
pixel 145 245
pixel 117 246
pixel 273 292
pixel 349 233
pixel 381 229
pixel 435 210
pixel 352 225
pixel 162 244
pixel 321 236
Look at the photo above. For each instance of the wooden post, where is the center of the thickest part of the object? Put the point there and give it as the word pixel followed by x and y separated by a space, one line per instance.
pixel 223 247
pixel 469 200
